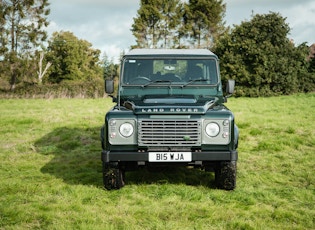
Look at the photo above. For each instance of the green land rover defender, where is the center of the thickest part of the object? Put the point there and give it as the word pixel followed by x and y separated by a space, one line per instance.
pixel 169 112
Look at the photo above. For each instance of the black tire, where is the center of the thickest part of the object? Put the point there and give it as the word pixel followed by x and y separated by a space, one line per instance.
pixel 113 176
pixel 225 175
pixel 102 136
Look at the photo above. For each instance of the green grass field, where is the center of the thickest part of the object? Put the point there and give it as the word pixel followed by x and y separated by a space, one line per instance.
pixel 51 176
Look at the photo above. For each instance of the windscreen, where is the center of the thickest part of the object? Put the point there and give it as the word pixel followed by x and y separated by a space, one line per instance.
pixel 137 71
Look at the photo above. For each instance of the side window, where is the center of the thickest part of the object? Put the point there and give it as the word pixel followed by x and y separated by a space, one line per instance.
pixel 157 67
pixel 205 69
pixel 144 68
pixel 182 68
pixel 130 68
pixel 213 72
pixel 135 69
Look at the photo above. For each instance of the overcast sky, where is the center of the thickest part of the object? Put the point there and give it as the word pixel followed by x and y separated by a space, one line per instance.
pixel 107 23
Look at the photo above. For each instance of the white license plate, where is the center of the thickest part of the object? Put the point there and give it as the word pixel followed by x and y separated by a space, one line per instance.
pixel 169 156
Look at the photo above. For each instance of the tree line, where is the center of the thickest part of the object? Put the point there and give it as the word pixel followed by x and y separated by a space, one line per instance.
pixel 178 24
pixel 257 53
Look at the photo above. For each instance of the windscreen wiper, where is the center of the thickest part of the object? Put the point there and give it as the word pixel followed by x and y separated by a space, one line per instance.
pixel 192 81
pixel 157 81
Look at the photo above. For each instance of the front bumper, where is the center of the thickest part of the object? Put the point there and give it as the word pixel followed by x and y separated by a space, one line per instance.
pixel 108 156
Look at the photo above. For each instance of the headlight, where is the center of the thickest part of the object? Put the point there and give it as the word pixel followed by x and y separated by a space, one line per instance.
pixel 126 129
pixel 212 129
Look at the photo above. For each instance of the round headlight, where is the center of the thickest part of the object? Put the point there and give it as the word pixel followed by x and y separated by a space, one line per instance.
pixel 212 129
pixel 126 129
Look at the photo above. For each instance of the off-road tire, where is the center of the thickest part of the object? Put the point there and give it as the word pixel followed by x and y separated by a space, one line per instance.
pixel 113 176
pixel 102 136
pixel 225 175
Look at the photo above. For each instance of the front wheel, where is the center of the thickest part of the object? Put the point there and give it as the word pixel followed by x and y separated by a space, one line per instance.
pixel 113 176
pixel 225 175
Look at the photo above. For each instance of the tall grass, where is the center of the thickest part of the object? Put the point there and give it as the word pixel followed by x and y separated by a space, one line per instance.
pixel 51 172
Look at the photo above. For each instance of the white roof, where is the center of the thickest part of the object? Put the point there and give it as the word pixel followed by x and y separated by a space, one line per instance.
pixel 199 52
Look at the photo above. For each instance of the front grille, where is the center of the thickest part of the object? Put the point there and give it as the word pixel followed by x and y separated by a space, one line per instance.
pixel 169 132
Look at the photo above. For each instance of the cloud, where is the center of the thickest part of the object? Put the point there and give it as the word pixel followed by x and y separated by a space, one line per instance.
pixel 299 15
pixel 280 4
pixel 100 3
pixel 301 20
pixel 106 24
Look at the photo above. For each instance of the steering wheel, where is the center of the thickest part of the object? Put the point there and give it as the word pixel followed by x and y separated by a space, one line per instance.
pixel 140 80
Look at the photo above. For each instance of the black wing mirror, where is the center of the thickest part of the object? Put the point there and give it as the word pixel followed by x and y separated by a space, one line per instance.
pixel 230 87
pixel 109 86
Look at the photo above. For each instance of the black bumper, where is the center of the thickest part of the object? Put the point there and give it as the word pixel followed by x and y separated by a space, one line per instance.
pixel 108 156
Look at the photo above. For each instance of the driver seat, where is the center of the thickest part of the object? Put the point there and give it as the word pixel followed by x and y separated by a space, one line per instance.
pixel 194 72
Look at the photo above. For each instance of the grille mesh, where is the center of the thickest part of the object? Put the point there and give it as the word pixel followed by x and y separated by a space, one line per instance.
pixel 169 132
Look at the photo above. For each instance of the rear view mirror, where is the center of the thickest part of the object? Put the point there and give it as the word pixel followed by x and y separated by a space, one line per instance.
pixel 169 68
pixel 109 86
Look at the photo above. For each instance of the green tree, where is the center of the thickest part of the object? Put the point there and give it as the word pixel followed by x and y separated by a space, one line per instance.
pixel 170 23
pixel 204 21
pixel 145 27
pixel 312 65
pixel 156 23
pixel 109 68
pixel 307 84
pixel 3 47
pixel 176 24
pixel 311 58
pixel 21 26
pixel 72 58
pixel 260 57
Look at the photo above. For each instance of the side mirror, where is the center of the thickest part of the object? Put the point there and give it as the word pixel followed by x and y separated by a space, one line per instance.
pixel 109 86
pixel 230 87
